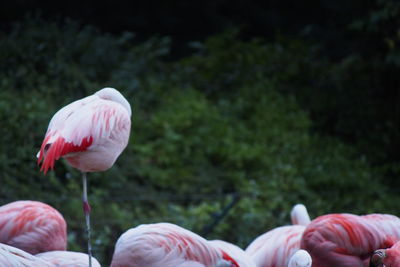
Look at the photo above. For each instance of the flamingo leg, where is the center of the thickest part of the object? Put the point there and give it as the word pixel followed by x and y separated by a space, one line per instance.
pixel 86 211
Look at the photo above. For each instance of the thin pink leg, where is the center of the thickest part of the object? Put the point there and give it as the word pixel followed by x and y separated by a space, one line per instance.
pixel 86 211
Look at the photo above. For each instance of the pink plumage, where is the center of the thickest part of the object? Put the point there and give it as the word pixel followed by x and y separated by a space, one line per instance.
pixel 32 226
pixel 67 259
pixel 235 252
pixel 14 257
pixel 349 240
pixel 166 245
pixel 275 247
pixel 89 133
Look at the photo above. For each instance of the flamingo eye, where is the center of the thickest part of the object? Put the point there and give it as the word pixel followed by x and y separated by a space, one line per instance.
pixel 46 147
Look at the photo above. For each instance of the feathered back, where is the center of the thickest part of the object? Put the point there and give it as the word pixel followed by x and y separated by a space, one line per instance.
pixel 235 252
pixel 163 245
pixel 32 226
pixel 347 239
pixel 14 257
pixel 274 248
pixel 67 259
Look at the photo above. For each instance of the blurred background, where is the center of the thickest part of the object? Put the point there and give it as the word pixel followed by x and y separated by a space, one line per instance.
pixel 241 109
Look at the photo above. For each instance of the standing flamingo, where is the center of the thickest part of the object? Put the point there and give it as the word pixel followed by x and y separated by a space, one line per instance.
pixel 167 245
pixel 66 259
pixel 349 240
pixel 32 226
pixel 300 258
pixel 14 257
pixel 389 257
pixel 90 134
pixel 235 252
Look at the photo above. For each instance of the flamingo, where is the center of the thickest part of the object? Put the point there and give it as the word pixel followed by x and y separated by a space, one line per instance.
pixel 389 257
pixel 67 259
pixel 14 257
pixel 275 247
pixel 90 134
pixel 235 252
pixel 300 258
pixel 349 240
pixel 32 226
pixel 167 245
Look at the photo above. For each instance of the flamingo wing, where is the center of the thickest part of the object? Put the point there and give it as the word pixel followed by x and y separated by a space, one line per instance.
pixel 275 247
pixel 234 254
pixel 67 258
pixel 10 256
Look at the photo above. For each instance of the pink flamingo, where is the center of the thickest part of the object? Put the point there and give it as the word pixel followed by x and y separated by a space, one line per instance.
pixel 167 245
pixel 349 240
pixel 66 259
pixel 275 247
pixel 234 252
pixel 90 134
pixel 389 257
pixel 32 226
pixel 14 257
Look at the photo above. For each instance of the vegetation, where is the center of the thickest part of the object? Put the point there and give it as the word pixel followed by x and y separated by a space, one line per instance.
pixel 266 124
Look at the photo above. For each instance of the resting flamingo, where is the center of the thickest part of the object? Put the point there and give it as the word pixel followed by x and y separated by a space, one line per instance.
pixel 300 258
pixel 67 259
pixel 235 252
pixel 90 134
pixel 14 257
pixel 32 226
pixel 389 257
pixel 349 240
pixel 167 245
pixel 275 247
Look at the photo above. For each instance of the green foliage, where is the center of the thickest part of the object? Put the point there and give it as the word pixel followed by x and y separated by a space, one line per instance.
pixel 205 128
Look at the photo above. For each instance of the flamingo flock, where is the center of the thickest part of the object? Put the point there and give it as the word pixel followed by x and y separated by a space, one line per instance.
pixel 92 132
pixel 329 240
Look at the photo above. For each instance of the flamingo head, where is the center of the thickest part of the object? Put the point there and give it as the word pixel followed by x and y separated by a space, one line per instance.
pixel 377 258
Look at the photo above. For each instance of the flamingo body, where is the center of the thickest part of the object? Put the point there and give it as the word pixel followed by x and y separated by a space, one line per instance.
pixel 235 252
pixel 275 247
pixel 14 257
pixel 32 226
pixel 67 259
pixel 89 133
pixel 349 240
pixel 166 245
